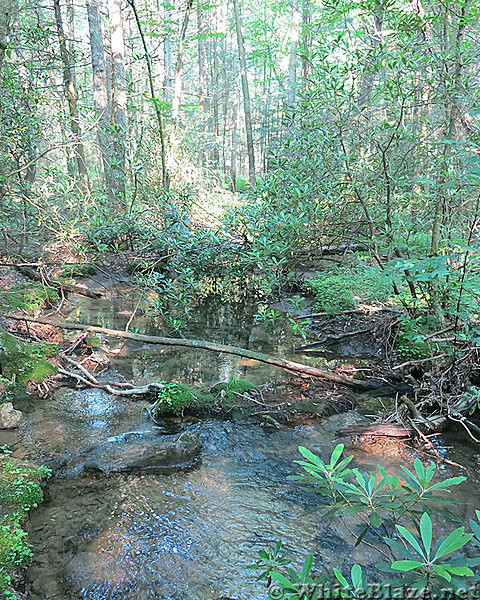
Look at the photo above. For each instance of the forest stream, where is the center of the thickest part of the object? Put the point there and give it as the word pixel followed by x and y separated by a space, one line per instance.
pixel 192 534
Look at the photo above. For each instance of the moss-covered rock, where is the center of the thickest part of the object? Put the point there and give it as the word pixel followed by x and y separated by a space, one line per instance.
pixel 21 362
pixel 29 298
pixel 177 398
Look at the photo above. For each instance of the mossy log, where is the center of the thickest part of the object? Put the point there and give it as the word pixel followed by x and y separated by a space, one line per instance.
pixel 288 365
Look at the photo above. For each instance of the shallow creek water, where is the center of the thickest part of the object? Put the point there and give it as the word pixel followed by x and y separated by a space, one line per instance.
pixel 190 535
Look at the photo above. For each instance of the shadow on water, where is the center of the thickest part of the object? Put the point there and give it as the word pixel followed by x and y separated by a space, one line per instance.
pixel 190 535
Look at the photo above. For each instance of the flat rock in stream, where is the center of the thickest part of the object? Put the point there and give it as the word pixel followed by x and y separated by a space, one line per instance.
pixel 132 451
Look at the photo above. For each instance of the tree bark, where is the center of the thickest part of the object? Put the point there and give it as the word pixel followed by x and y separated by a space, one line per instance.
pixel 202 56
pixel 71 95
pixel 366 84
pixel 119 102
pixel 246 96
pixel 155 101
pixel 288 365
pixel 7 10
pixel 292 66
pixel 100 90
pixel 178 84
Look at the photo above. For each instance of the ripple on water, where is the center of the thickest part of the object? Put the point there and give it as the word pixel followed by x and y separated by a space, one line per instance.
pixel 188 535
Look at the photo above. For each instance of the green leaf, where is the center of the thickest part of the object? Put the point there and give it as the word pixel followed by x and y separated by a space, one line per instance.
pixel 357 577
pixel 340 578
pixel 461 571
pixel 442 572
pixel 419 468
pixel 375 519
pixel 411 539
pixel 307 567
pixel 426 533
pixel 362 535
pixel 282 580
pixel 406 565
pixel 453 542
pixel 336 454
pixel 447 483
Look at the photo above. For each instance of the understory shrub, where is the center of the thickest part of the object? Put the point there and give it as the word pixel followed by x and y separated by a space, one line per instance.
pixel 342 288
pixel 20 492
pixel 397 516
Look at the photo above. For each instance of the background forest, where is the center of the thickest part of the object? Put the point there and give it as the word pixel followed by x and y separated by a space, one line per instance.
pixel 222 142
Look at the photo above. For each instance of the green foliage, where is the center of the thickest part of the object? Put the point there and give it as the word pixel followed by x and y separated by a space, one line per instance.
pixel 21 362
pixel 175 398
pixel 397 511
pixel 29 298
pixel 20 492
pixel 342 288
pixel 78 270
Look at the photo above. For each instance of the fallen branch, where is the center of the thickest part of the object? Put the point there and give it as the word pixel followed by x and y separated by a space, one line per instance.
pixel 110 389
pixel 288 365
pixel 68 287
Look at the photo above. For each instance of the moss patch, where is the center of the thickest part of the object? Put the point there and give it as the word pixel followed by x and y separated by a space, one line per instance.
pixel 20 492
pixel 21 362
pixel 176 398
pixel 28 298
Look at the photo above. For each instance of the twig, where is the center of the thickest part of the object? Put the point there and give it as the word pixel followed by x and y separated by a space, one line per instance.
pixel 418 361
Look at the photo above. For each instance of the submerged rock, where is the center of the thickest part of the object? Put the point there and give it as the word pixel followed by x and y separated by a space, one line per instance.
pixel 9 417
pixel 132 451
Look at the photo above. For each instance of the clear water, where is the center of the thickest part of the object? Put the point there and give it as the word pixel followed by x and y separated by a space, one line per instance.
pixel 191 535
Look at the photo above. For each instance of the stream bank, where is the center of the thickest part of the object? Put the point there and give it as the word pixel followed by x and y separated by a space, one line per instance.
pixel 190 534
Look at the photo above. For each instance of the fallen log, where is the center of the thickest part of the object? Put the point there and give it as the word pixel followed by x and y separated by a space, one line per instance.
pixel 377 430
pixel 288 365
pixel 68 287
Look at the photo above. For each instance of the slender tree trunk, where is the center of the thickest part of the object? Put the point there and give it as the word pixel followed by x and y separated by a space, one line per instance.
pixel 366 84
pixel 119 101
pixel 155 101
pixel 178 83
pixel 100 90
pixel 452 114
pixel 71 95
pixel 292 65
pixel 246 96
pixel 167 52
pixel 8 8
pixel 202 56
pixel 306 42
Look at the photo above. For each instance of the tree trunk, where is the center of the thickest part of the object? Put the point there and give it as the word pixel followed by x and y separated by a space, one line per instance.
pixel 306 42
pixel 167 52
pixel 202 56
pixel 178 84
pixel 155 101
pixel 119 102
pixel 71 95
pixel 246 96
pixel 366 84
pixel 292 65
pixel 100 90
pixel 7 10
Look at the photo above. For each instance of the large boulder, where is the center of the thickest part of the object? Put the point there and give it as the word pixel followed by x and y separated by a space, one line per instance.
pixel 133 451
pixel 9 417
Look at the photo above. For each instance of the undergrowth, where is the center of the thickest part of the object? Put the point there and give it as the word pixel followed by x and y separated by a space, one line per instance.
pixel 20 492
